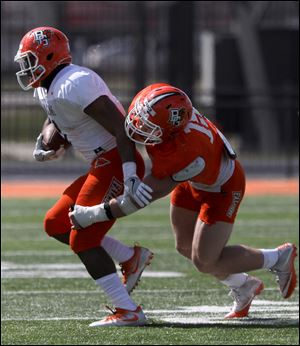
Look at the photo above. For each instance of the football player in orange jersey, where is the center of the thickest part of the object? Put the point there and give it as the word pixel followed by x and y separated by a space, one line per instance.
pixel 193 159
pixel 81 105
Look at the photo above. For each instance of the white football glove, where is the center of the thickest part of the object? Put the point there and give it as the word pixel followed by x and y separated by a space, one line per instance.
pixel 138 191
pixel 44 155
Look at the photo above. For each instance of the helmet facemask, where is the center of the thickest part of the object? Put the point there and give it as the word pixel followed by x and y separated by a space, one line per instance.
pixel 30 72
pixel 157 114
pixel 139 128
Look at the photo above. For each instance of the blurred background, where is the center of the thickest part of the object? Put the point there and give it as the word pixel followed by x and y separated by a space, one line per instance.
pixel 237 60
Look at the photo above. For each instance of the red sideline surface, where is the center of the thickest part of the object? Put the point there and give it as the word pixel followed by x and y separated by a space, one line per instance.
pixel 46 188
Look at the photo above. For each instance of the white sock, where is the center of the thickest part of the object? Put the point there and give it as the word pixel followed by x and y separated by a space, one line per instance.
pixel 117 250
pixel 270 257
pixel 235 280
pixel 114 289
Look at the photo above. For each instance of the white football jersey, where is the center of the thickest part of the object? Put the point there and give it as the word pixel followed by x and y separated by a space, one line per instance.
pixel 71 91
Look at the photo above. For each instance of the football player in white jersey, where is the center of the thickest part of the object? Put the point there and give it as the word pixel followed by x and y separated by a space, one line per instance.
pixel 82 107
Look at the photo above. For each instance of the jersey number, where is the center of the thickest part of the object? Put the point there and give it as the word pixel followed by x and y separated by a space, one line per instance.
pixel 198 123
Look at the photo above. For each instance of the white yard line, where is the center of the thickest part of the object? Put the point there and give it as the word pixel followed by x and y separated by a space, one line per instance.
pixel 75 274
pixel 30 253
pixel 67 252
pixel 138 291
pixel 263 312
pixel 265 320
pixel 10 270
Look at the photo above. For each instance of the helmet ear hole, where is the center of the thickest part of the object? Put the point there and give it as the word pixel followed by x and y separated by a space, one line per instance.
pixel 50 56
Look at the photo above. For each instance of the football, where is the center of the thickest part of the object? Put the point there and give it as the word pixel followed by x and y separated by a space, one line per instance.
pixel 52 138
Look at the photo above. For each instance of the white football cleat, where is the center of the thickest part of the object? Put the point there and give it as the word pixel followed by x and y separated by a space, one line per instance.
pixel 134 267
pixel 284 269
pixel 243 297
pixel 122 318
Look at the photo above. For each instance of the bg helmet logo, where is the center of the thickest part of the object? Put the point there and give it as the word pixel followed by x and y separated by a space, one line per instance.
pixel 176 116
pixel 42 37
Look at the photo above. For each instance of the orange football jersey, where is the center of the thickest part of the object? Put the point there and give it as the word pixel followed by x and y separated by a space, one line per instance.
pixel 200 138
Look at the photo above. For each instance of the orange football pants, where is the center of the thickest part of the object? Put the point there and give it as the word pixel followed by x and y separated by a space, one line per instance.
pixel 103 182
pixel 213 206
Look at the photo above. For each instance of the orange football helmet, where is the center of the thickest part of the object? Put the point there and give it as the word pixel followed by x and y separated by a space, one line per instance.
pixel 41 50
pixel 157 113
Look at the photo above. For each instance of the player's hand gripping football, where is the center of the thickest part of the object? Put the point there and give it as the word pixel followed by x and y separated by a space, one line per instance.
pixel 138 191
pixel 40 154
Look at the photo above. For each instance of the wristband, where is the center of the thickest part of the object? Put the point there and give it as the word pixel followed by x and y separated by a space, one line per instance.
pixel 129 169
pixel 108 211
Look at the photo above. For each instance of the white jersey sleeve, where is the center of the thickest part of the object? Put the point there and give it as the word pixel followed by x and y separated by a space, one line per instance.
pixel 88 88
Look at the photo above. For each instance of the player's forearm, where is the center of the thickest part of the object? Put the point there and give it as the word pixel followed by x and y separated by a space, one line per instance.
pixel 124 205
pixel 82 217
pixel 46 123
pixel 125 147
pixel 114 209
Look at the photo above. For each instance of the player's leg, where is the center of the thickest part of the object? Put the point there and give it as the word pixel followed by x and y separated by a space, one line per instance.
pixel 184 210
pixel 183 224
pixel 102 269
pixel 56 222
pixel 204 245
pixel 228 264
pixel 132 259
pixel 211 255
pixel 194 238
pixel 185 206
pixel 103 183
pixel 223 207
pixel 183 219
